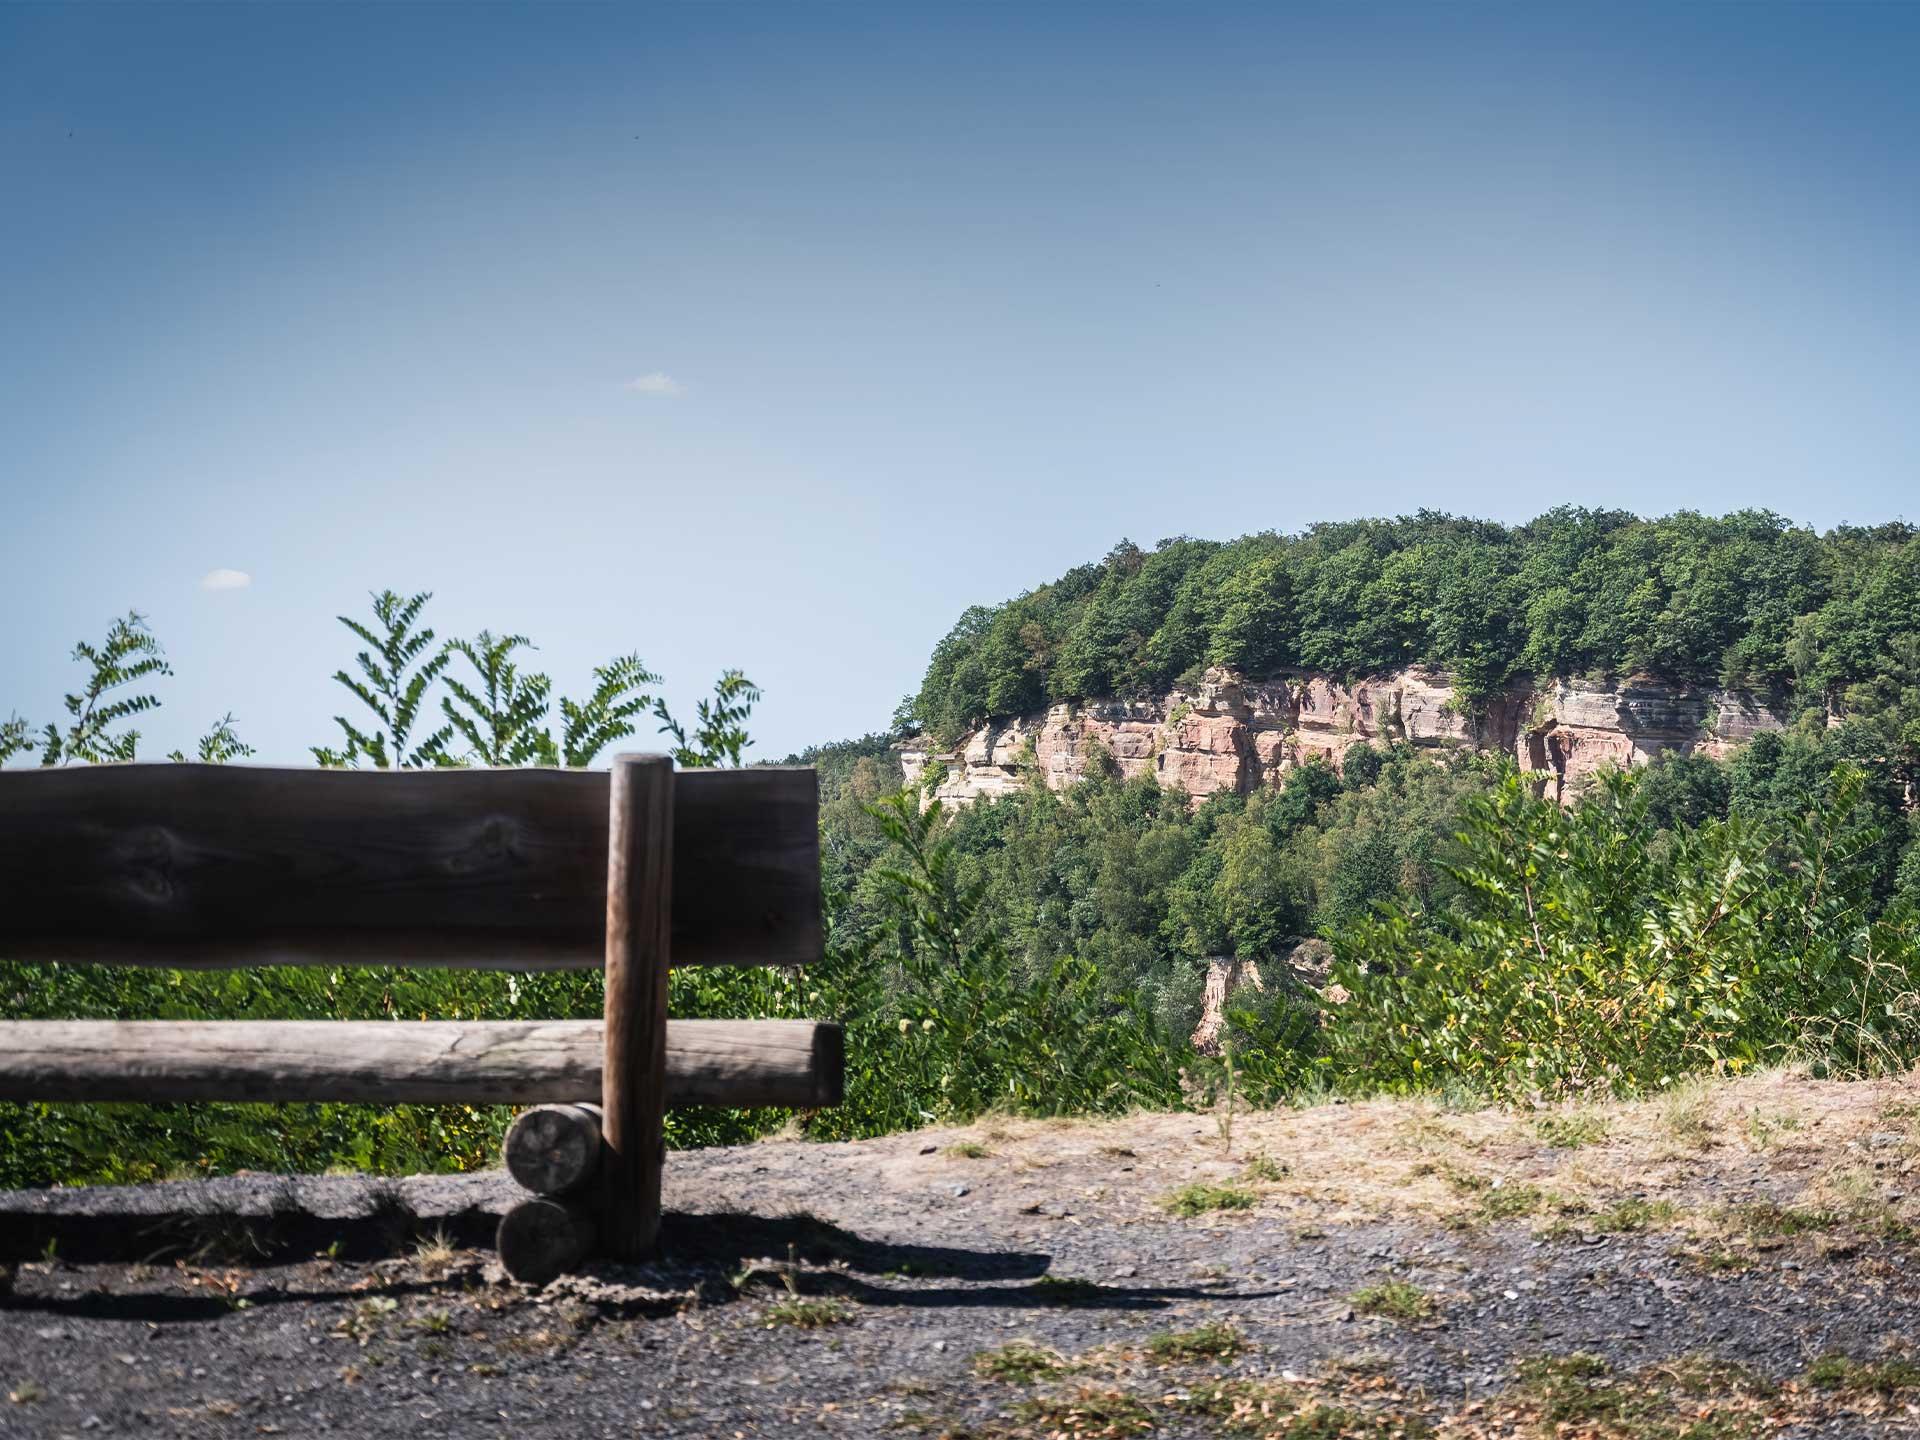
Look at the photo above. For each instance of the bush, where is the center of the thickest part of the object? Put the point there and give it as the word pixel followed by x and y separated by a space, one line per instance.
pixel 1578 959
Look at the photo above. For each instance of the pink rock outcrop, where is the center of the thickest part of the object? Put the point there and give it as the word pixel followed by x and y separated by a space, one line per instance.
pixel 1226 733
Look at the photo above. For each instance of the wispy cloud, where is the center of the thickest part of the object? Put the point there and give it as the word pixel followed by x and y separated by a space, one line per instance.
pixel 655 382
pixel 225 580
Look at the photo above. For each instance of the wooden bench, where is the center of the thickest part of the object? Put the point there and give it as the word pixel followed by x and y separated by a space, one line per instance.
pixel 635 869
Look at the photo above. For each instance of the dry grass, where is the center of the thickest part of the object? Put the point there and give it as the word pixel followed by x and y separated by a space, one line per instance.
pixel 1088 1410
pixel 434 1251
pixel 1574 1395
pixel 1671 1161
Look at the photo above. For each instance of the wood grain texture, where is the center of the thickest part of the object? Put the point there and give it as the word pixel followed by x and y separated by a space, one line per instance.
pixel 225 865
pixel 541 1238
pixel 553 1149
pixel 733 1063
pixel 633 1078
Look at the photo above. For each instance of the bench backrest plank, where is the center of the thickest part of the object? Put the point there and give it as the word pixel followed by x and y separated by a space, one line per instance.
pixel 225 865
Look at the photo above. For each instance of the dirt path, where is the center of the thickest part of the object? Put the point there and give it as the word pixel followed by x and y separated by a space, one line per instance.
pixel 1739 1259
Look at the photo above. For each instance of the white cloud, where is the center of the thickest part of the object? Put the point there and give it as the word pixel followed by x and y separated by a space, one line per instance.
pixel 225 580
pixel 656 382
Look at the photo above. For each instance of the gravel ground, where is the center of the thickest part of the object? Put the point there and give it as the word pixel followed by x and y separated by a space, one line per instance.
pixel 1706 1252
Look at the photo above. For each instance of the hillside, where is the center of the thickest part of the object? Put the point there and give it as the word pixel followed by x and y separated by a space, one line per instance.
pixel 1742 603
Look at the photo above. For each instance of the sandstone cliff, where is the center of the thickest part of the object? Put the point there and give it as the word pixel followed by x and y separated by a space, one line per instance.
pixel 1227 733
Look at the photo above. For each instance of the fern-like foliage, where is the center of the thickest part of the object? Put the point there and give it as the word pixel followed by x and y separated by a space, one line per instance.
pixel 219 745
pixel 15 738
pixel 396 670
pixel 129 655
pixel 587 727
pixel 500 715
pixel 720 729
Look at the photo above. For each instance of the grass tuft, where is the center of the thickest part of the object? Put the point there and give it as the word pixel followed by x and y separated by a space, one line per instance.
pixel 807 1312
pixel 435 1250
pixel 1216 1340
pixel 1571 1129
pixel 1263 1169
pixel 1631 1216
pixel 1019 1361
pixel 1394 1299
pixel 1767 1218
pixel 1273 1412
pixel 1245 1405
pixel 1200 1198
pixel 1088 1411
pixel 1835 1371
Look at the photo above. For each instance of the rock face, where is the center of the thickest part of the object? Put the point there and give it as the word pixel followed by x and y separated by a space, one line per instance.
pixel 1227 733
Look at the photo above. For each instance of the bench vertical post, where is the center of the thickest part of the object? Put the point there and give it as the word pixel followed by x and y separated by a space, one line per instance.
pixel 634 1078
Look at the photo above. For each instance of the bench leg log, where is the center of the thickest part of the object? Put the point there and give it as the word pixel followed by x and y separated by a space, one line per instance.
pixel 554 1149
pixel 543 1237
pixel 634 1077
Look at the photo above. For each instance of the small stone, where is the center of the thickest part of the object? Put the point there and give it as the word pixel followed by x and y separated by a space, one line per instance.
pixel 959 1190
pixel 940 1345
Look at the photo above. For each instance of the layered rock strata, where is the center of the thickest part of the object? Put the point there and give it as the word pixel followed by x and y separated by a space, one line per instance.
pixel 1227 733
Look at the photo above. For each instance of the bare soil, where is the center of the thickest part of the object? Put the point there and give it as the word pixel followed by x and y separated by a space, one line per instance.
pixel 1737 1259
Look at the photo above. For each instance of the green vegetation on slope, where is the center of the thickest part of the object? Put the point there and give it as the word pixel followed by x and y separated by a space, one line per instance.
pixel 1746 599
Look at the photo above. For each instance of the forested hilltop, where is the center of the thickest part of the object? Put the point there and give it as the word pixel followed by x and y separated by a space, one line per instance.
pixel 1747 600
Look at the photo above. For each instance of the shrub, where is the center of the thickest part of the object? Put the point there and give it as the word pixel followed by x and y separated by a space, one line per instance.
pixel 1578 961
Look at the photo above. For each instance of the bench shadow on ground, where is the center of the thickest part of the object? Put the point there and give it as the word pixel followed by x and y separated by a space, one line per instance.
pixel 713 1250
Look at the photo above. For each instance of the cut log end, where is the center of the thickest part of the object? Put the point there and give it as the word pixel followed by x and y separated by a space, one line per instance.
pixel 543 1238
pixel 554 1149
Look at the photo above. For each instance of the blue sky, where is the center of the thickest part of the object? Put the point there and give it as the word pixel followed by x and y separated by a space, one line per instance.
pixel 926 303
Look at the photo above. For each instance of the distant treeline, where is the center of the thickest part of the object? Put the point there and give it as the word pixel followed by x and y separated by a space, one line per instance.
pixel 1746 599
